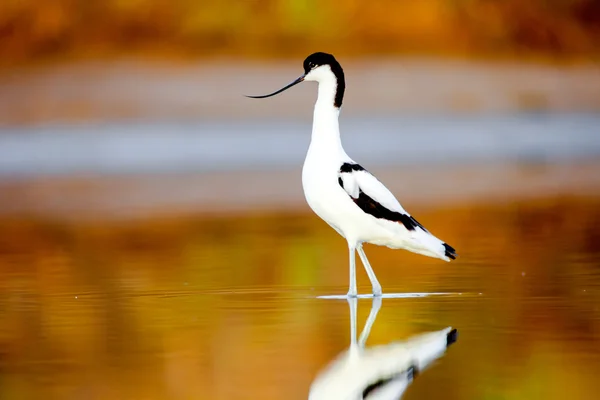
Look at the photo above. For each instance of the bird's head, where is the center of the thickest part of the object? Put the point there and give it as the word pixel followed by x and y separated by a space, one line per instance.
pixel 322 68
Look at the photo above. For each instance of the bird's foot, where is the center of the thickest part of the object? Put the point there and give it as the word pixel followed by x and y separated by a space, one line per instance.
pixel 377 291
pixel 352 293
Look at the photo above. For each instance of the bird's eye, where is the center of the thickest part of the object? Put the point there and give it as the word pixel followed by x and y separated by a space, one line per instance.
pixel 311 65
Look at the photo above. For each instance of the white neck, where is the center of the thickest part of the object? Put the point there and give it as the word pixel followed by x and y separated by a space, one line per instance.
pixel 326 128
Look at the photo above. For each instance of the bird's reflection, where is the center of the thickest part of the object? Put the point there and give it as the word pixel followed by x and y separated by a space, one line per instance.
pixel 378 372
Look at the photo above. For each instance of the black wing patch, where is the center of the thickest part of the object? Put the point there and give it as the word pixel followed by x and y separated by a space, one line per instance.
pixel 370 206
pixel 347 167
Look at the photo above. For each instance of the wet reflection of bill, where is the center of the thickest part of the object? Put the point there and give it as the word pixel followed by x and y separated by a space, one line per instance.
pixel 378 372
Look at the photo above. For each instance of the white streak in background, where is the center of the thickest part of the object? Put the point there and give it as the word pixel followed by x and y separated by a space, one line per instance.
pixel 119 148
pixel 378 372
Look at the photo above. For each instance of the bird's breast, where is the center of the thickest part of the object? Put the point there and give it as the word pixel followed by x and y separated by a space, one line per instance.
pixel 318 181
pixel 322 190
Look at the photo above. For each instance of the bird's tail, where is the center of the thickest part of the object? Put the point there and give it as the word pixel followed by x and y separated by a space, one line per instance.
pixel 449 251
pixel 431 246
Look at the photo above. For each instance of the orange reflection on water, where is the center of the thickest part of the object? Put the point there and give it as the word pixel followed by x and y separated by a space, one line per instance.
pixel 225 307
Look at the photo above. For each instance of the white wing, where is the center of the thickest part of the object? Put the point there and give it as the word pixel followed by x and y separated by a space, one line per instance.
pixel 372 187
pixel 373 198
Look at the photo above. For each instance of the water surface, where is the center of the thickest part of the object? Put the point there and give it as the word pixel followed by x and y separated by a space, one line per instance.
pixel 226 307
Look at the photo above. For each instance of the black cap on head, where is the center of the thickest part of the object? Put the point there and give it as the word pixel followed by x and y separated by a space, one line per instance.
pixel 318 59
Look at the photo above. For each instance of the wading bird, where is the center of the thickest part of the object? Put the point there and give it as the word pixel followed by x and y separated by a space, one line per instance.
pixel 343 193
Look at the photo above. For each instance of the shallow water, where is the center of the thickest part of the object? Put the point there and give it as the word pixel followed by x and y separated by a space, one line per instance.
pixel 227 307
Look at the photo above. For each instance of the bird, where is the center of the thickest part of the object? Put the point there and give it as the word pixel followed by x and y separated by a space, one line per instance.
pixel 381 372
pixel 342 192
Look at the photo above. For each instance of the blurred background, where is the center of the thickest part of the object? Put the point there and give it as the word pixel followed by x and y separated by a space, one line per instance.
pixel 154 238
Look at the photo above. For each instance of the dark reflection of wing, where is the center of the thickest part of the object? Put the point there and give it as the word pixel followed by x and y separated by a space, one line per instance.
pixel 391 387
pixel 378 372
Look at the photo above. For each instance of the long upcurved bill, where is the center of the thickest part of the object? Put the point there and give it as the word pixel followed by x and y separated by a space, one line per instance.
pixel 297 81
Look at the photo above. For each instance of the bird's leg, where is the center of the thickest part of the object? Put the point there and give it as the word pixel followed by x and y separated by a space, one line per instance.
pixel 352 304
pixel 375 306
pixel 372 277
pixel 352 292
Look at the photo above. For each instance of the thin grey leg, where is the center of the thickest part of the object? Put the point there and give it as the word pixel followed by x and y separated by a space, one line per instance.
pixel 375 306
pixel 370 273
pixel 352 304
pixel 352 292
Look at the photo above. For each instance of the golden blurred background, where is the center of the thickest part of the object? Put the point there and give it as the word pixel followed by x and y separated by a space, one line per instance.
pixel 556 30
pixel 154 238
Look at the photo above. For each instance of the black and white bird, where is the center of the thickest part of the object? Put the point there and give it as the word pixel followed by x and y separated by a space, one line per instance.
pixel 343 193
